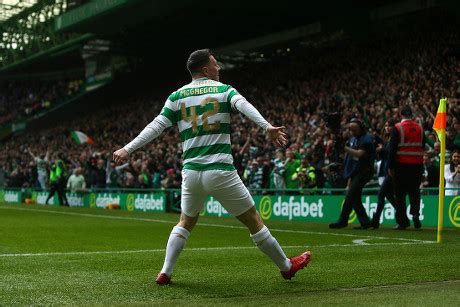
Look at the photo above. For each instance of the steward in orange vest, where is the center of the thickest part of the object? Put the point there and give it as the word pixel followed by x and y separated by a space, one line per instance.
pixel 410 146
pixel 407 146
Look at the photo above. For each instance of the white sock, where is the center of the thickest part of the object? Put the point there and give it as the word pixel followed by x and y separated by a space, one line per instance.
pixel 176 243
pixel 268 244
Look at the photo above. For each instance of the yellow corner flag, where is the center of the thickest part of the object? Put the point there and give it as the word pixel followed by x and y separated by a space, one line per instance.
pixel 440 127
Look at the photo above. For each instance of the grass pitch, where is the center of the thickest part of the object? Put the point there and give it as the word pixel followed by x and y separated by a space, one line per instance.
pixel 53 255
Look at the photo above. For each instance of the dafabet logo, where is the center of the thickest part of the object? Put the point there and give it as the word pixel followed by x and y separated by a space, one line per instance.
pixel 454 211
pixel 130 202
pixel 92 200
pixel 265 207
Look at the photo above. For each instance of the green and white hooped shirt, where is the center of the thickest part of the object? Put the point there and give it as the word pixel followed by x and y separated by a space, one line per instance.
pixel 201 110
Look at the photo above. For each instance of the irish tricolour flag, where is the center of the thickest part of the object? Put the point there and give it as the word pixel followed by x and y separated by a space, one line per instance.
pixel 81 138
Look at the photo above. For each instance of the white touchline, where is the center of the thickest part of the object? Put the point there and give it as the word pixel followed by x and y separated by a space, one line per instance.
pixel 210 225
pixel 215 249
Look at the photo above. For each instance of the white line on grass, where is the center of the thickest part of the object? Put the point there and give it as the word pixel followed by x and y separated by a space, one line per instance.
pixel 209 225
pixel 215 249
pixel 361 241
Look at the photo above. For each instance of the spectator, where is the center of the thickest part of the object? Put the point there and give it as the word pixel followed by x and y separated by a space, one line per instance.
pixel 171 181
pixel 98 174
pixel 430 175
pixel 386 190
pixel 318 164
pixel 76 181
pixel 291 166
pixel 41 164
pixel 279 171
pixel 255 176
pixel 452 174
pixel 22 99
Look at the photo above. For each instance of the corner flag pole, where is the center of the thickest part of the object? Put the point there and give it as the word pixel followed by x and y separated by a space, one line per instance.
pixel 440 127
pixel 441 185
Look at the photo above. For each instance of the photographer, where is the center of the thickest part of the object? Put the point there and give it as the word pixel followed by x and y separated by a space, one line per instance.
pixel 358 170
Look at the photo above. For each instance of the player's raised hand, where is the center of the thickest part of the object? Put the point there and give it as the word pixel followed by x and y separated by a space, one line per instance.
pixel 277 135
pixel 120 156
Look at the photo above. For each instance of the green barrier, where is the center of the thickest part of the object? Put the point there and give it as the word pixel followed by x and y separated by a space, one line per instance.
pixel 327 208
pixel 10 196
pixel 146 202
pixel 307 208
pixel 74 199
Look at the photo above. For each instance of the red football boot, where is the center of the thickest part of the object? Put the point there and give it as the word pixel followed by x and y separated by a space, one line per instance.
pixel 163 279
pixel 298 263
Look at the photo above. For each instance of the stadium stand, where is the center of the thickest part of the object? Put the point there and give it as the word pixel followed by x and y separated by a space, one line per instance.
pixel 369 79
pixel 23 99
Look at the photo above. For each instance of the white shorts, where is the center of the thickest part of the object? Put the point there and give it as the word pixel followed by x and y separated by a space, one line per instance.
pixel 225 186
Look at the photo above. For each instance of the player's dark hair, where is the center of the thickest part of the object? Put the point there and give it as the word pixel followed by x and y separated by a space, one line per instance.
pixel 197 60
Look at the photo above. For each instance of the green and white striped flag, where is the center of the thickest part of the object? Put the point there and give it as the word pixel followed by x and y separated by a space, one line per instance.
pixel 81 138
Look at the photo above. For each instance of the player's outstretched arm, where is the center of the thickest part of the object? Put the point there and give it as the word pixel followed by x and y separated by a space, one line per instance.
pixel 150 132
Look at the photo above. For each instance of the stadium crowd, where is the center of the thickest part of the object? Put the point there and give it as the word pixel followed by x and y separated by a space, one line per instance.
pixel 370 80
pixel 22 99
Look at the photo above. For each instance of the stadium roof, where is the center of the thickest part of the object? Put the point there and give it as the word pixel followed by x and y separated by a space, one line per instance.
pixel 9 8
pixel 156 30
